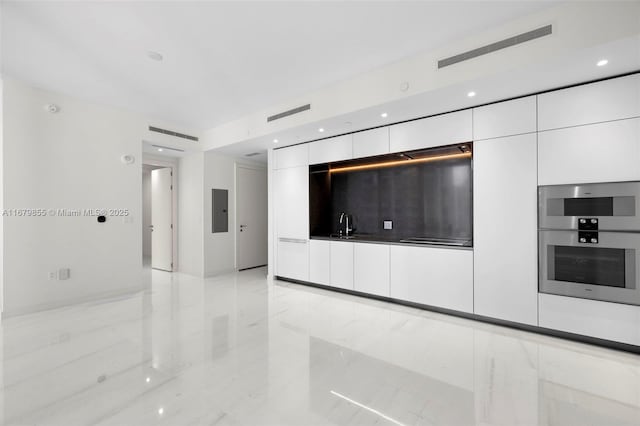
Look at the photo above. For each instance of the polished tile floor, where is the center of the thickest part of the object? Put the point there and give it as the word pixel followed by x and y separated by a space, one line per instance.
pixel 241 350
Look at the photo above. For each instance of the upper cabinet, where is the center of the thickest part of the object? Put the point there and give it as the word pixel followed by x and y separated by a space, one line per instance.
pixel 292 156
pixel 591 103
pixel 505 119
pixel 445 129
pixel 332 149
pixel 371 142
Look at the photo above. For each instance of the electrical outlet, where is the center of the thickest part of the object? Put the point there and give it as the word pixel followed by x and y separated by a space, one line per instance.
pixel 64 273
pixel 53 275
pixel 387 224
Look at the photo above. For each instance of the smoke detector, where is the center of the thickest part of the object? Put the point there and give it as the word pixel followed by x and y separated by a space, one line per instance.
pixel 52 108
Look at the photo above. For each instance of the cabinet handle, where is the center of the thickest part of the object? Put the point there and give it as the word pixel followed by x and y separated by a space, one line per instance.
pixel 293 240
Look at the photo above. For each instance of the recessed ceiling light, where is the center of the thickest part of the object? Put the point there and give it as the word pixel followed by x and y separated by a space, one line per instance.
pixel 160 149
pixel 384 115
pixel 471 94
pixel 602 62
pixel 275 141
pixel 160 410
pixel 321 130
pixel 148 379
pixel 155 55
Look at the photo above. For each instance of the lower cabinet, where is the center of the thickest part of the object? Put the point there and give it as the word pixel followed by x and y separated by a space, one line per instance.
pixel 342 264
pixel 320 262
pixel 293 259
pixel 371 269
pixel 432 276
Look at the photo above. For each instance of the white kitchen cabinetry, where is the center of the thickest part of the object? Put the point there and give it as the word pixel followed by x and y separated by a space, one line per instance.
pixel 293 258
pixel 505 228
pixel 371 268
pixel 342 264
pixel 292 202
pixel 320 262
pixel 505 119
pixel 590 103
pixel 432 276
pixel 603 152
pixel 604 320
pixel 371 142
pixel 332 149
pixel 292 156
pixel 445 129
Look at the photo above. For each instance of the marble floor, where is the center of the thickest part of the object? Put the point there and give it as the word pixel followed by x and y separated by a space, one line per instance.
pixel 242 350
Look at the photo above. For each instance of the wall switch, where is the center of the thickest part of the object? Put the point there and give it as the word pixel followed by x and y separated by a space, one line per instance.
pixel 64 273
pixel 387 224
pixel 53 275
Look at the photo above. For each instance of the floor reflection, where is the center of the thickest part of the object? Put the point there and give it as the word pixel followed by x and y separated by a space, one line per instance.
pixel 238 349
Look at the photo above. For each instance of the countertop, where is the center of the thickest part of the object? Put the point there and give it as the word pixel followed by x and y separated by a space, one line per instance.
pixel 380 239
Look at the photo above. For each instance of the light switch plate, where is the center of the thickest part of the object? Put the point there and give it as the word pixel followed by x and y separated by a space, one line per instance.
pixel 64 274
pixel 387 224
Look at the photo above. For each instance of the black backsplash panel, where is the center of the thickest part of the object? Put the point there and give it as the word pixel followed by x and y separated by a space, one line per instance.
pixel 431 199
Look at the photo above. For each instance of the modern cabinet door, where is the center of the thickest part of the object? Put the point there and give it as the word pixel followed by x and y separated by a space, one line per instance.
pixel 320 262
pixel 607 100
pixel 332 149
pixel 433 276
pixel 293 259
pixel 342 264
pixel 371 142
pixel 603 152
pixel 371 268
pixel 445 129
pixel 505 228
pixel 505 119
pixel 291 156
pixel 292 202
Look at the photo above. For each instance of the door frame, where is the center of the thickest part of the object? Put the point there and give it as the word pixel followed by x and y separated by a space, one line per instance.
pixel 152 161
pixel 236 224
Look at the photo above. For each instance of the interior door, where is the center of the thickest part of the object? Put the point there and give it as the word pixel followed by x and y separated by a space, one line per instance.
pixel 251 217
pixel 161 219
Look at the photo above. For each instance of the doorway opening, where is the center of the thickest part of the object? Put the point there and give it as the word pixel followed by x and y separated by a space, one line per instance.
pixel 158 216
pixel 251 208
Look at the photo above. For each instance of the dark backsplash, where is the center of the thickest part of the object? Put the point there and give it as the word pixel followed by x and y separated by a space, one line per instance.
pixel 432 199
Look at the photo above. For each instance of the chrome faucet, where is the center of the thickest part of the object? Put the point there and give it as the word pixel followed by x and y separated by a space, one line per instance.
pixel 347 229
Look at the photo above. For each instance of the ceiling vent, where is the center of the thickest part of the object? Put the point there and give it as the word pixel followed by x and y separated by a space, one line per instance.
pixel 168 148
pixel 172 133
pixel 293 111
pixel 253 154
pixel 498 45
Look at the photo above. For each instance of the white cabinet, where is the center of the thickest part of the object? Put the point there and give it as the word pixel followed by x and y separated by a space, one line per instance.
pixel 505 119
pixel 291 156
pixel 607 100
pixel 371 142
pixel 371 268
pixel 604 320
pixel 332 149
pixel 292 202
pixel 440 130
pixel 505 228
pixel 320 262
pixel 432 276
pixel 604 152
pixel 342 264
pixel 293 259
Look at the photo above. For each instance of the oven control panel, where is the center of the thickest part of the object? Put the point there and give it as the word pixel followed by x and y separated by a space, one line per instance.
pixel 588 237
pixel 587 224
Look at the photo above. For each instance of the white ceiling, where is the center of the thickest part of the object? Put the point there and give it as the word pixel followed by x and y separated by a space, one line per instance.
pixel 223 60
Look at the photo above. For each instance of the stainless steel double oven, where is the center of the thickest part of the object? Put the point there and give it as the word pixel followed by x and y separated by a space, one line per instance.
pixel 589 241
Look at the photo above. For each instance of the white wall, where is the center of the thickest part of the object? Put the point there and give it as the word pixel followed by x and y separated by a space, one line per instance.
pixel 68 160
pixel 190 214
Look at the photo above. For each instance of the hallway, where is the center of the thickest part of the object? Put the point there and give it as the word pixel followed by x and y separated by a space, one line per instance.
pixel 238 349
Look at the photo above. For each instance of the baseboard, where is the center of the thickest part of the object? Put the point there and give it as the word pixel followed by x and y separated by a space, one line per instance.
pixel 98 297
pixel 609 344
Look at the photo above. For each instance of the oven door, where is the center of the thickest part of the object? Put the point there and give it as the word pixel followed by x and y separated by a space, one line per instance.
pixel 615 206
pixel 606 270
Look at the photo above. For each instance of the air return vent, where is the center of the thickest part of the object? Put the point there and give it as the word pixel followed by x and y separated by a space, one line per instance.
pixel 253 154
pixel 172 133
pixel 499 45
pixel 289 112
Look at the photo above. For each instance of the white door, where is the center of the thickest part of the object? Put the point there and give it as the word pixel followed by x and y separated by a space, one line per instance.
pixel 161 220
pixel 251 217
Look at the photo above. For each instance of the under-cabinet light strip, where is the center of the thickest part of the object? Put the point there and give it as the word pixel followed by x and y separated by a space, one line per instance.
pixel 399 162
